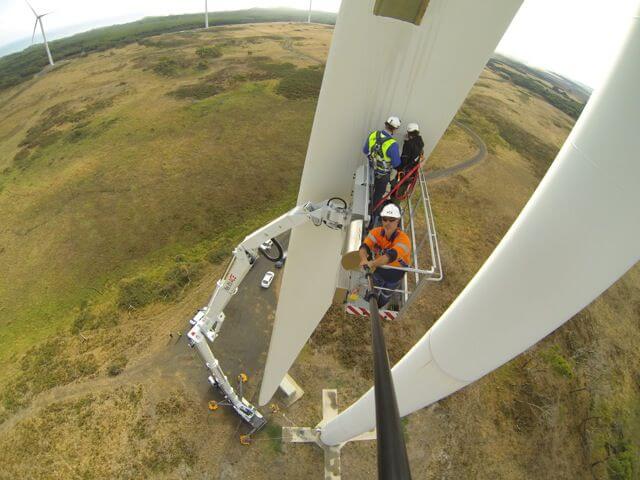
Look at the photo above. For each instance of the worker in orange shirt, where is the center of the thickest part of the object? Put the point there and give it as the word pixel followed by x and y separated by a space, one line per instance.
pixel 386 245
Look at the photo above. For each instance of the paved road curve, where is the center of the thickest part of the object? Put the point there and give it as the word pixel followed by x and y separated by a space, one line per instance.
pixel 480 155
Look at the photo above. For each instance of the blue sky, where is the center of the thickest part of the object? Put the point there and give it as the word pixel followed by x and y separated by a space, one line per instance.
pixel 576 38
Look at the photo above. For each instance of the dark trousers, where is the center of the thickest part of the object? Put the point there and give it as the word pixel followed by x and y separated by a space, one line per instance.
pixel 379 189
pixel 385 279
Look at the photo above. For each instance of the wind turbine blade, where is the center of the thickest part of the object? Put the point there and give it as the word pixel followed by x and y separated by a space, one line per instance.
pixel 432 74
pixel 34 12
pixel 33 35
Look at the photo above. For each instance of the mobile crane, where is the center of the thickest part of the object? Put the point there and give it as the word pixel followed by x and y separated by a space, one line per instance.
pixel 206 324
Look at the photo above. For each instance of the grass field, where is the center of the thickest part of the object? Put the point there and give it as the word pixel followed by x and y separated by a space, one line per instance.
pixel 125 179
pixel 19 67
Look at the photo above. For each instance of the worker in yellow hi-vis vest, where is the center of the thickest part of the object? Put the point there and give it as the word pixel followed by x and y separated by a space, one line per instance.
pixel 384 154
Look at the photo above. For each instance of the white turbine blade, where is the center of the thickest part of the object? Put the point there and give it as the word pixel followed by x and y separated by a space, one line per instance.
pixel 34 12
pixel 578 234
pixel 421 73
pixel 33 35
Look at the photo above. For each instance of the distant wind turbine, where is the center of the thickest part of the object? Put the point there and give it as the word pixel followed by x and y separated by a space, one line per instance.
pixel 206 14
pixel 39 19
pixel 309 17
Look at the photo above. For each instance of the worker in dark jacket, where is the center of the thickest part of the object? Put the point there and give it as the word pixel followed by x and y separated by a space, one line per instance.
pixel 413 147
pixel 384 154
pixel 412 153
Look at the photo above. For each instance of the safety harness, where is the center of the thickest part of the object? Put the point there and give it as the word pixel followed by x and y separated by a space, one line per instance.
pixel 378 147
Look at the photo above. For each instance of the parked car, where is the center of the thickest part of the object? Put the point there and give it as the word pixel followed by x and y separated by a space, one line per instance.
pixel 267 279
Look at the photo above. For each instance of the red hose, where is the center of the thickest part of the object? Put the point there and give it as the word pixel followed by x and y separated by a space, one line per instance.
pixel 395 189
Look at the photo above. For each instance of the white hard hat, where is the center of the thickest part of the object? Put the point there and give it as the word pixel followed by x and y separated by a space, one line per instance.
pixel 413 127
pixel 390 210
pixel 394 121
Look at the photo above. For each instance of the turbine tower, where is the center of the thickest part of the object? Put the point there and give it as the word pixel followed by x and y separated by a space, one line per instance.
pixel 46 44
pixel 309 17
pixel 206 14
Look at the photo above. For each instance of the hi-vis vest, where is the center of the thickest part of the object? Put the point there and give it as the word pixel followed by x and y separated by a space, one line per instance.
pixel 378 243
pixel 378 146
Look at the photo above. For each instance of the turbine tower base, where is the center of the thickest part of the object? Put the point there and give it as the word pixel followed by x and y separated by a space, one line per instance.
pixel 291 390
pixel 332 469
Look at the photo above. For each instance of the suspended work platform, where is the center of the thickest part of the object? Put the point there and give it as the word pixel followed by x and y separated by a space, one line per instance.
pixel 412 196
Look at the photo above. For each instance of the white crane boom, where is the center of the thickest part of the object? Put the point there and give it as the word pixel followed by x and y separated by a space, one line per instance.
pixel 332 213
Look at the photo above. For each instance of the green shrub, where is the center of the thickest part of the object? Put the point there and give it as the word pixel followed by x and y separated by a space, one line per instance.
pixel 213 84
pixel 303 83
pixel 117 366
pixel 78 133
pixel 405 427
pixel 217 255
pixel 56 120
pixel 620 465
pixel 178 278
pixel 85 366
pixel 202 65
pixel 198 91
pixel 23 159
pixel 136 293
pixel 87 320
pixel 82 321
pixel 141 429
pixel 273 70
pixel 166 67
pixel 106 319
pixel 209 52
pixel 15 396
pixel 558 363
